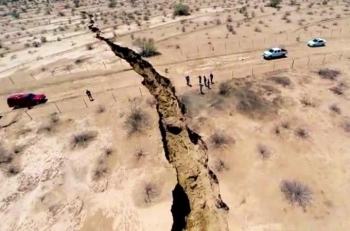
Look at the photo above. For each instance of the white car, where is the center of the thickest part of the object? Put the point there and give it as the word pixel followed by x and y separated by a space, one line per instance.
pixel 317 42
pixel 275 53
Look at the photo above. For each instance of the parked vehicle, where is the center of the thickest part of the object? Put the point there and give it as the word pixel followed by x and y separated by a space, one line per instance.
pixel 275 53
pixel 317 42
pixel 25 100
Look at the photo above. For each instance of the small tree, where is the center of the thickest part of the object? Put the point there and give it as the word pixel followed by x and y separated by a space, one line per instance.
pixel 148 46
pixel 275 3
pixel 181 10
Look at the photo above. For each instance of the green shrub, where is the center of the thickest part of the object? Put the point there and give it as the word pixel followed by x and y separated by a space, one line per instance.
pixel 275 3
pixel 148 46
pixel 181 10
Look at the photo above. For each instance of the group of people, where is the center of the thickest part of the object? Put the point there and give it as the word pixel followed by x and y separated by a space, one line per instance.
pixel 207 82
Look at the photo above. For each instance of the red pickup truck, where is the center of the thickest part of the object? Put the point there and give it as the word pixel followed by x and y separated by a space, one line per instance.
pixel 19 100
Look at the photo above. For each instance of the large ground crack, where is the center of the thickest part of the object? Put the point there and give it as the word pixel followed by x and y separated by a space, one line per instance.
pixel 197 204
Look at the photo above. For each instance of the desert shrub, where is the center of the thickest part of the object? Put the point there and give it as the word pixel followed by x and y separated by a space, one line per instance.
pixel 100 109
pixel 100 169
pixel 276 130
pixel 337 90
pixel 327 73
pixel 302 133
pixel 275 3
pixel 139 155
pixel 346 125
pixel 108 151
pixel 229 18
pixel 284 81
pixel 148 46
pixel 296 193
pixel 149 192
pixel 225 89
pixel 230 28
pixel 263 151
pixel 89 47
pixel 11 169
pixel 257 29
pixel 137 121
pixel 335 109
pixel 181 9
pixel 220 165
pixel 15 14
pixel 307 101
pixel 82 139
pixel 43 39
pixel 285 124
pixel 5 156
pixel 220 140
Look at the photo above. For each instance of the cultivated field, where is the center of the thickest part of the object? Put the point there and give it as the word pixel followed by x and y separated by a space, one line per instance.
pixel 277 131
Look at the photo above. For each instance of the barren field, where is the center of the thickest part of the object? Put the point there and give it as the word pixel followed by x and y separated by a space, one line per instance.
pixel 272 150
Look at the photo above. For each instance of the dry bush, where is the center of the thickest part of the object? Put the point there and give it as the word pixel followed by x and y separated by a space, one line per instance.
pixel 220 165
pixel 50 126
pixel 139 154
pixel 285 124
pixel 89 47
pixel 284 81
pixel 276 130
pixel 100 169
pixel 82 139
pixel 225 89
pixel 337 90
pixel 100 109
pixel 137 121
pixel 18 149
pixel 335 109
pixel 146 193
pixel 307 101
pixel 296 192
pixel 346 126
pixel 327 73
pixel 264 151
pixel 302 133
pixel 220 140
pixel 181 10
pixel 257 29
pixel 5 156
pixel 108 151
pixel 148 47
pixel 10 169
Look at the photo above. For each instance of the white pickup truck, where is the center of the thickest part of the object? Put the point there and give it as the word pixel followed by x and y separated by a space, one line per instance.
pixel 275 53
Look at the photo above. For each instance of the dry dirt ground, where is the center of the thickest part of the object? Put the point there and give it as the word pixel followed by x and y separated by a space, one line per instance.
pixel 277 131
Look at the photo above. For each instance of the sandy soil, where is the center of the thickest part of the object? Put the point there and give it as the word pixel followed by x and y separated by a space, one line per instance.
pixel 273 132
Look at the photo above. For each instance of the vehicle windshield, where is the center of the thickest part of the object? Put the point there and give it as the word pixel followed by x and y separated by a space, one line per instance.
pixel 315 40
pixel 271 50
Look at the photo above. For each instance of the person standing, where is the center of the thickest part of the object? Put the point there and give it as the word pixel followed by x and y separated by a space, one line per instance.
pixel 188 81
pixel 200 80
pixel 201 88
pixel 88 93
pixel 205 81
pixel 208 84
pixel 211 78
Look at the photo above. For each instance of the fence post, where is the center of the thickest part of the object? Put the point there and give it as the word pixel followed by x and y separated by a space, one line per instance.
pixel 58 108
pixel 52 73
pixel 274 66
pixel 324 58
pixel 181 51
pixel 341 56
pixel 225 46
pixel 28 115
pixel 332 32
pixel 86 67
pixel 85 103
pixel 252 71
pixel 114 97
pixel 12 81
pixel 104 65
pixel 197 50
pixel 232 74
pixel 340 30
pixel 308 61
pixel 293 63
pixel 32 76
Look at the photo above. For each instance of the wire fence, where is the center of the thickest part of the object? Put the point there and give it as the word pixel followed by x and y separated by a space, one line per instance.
pixel 113 96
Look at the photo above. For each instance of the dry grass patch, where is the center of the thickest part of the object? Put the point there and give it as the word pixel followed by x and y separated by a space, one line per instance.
pixel 284 81
pixel 329 74
pixel 137 121
pixel 302 133
pixel 220 140
pixel 263 151
pixel 296 192
pixel 334 108
pixel 220 166
pixel 147 193
pixel 82 139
